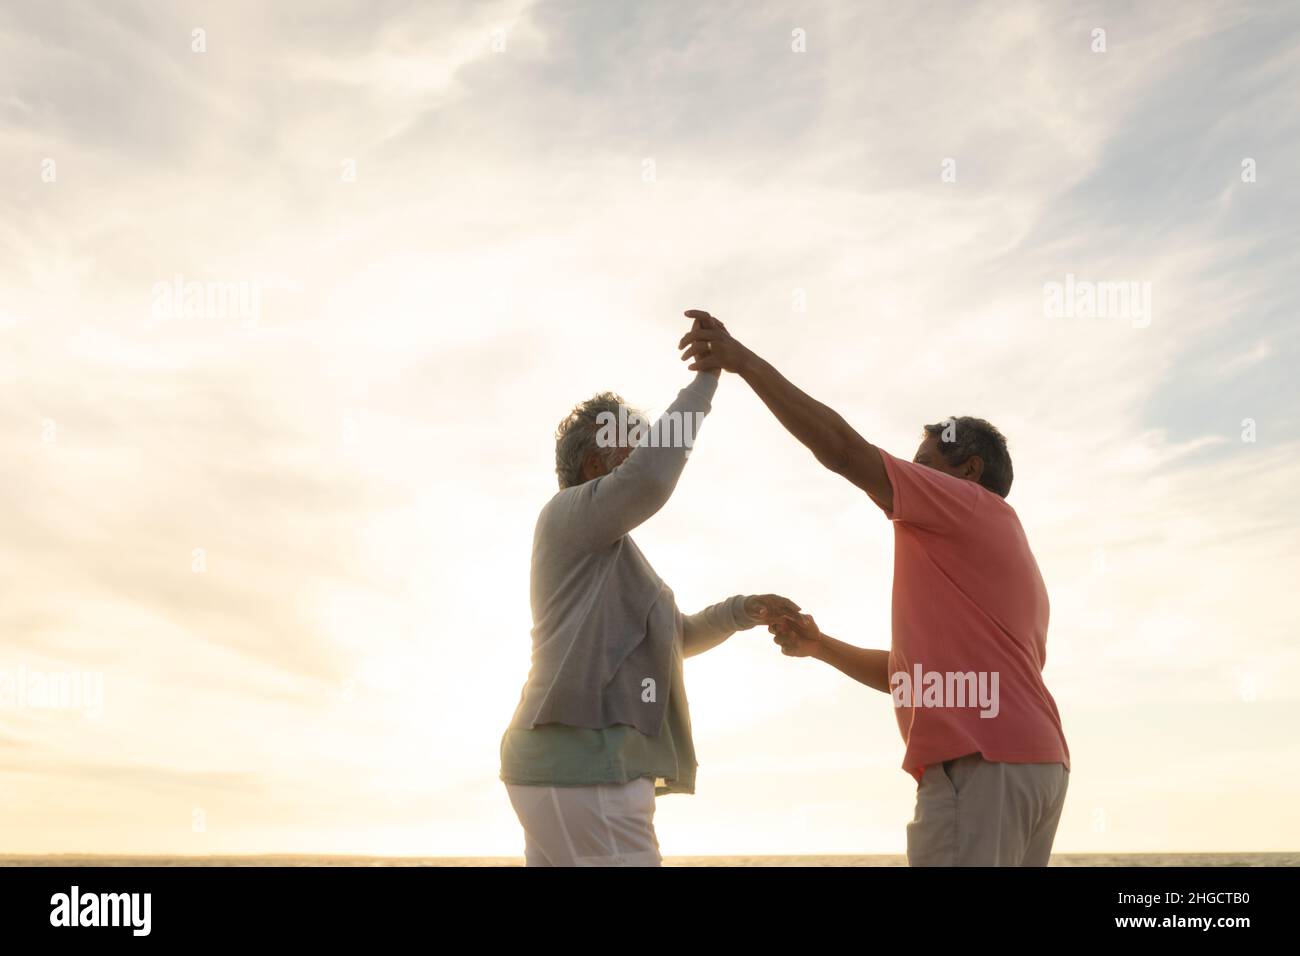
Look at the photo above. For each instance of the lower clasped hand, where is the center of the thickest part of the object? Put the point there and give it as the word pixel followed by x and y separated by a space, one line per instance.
pixel 797 635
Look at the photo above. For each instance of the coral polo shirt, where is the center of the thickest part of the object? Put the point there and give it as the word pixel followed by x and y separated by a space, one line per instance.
pixel 969 603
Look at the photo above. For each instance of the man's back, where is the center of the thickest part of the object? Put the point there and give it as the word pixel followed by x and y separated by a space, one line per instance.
pixel 971 609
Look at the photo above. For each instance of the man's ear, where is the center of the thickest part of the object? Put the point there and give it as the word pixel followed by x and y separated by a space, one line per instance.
pixel 973 468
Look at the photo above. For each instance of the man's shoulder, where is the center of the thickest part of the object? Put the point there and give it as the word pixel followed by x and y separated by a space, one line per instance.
pixel 995 508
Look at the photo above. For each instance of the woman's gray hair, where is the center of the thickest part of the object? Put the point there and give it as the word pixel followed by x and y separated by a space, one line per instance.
pixel 575 438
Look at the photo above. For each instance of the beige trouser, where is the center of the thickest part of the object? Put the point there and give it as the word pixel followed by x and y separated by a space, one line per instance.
pixel 973 812
pixel 608 824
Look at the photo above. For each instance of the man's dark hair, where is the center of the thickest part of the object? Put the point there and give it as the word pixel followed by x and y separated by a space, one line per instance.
pixel 974 436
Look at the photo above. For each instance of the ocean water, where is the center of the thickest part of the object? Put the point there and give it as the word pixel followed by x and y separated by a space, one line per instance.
pixel 1060 859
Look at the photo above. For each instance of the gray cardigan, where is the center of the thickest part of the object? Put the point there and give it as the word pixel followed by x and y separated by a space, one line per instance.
pixel 603 622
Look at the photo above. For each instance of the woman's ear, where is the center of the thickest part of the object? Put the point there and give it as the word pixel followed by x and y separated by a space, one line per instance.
pixel 593 466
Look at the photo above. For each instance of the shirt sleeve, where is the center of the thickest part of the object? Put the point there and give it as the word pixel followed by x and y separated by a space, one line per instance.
pixel 710 627
pixel 929 499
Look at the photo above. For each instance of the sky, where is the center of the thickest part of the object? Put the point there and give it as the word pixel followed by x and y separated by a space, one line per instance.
pixel 276 528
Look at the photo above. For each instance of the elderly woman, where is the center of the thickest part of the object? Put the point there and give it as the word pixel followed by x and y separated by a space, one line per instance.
pixel 603 725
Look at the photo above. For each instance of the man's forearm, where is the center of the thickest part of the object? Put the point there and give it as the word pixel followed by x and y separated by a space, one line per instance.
pixel 863 664
pixel 822 429
pixel 708 345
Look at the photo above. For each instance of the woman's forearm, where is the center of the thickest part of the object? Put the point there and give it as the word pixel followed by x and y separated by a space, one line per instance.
pixel 611 506
pixel 705 630
pixel 863 664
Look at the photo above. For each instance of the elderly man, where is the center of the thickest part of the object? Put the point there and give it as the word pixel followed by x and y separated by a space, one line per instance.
pixel 603 725
pixel 983 736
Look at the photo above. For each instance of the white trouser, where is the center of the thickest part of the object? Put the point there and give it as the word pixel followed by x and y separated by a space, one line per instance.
pixel 974 812
pixel 608 824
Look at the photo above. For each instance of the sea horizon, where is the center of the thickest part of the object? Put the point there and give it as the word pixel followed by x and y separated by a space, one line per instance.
pixel 786 860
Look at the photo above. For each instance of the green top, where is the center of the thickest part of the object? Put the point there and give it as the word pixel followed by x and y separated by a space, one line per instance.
pixel 557 755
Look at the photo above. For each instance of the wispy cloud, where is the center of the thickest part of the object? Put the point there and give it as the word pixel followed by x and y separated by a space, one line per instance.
pixel 296 543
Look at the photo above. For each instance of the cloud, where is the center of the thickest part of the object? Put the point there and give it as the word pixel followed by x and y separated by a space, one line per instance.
pixel 539 190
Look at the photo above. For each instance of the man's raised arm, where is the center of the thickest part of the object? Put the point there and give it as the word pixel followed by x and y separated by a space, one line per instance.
pixel 828 436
